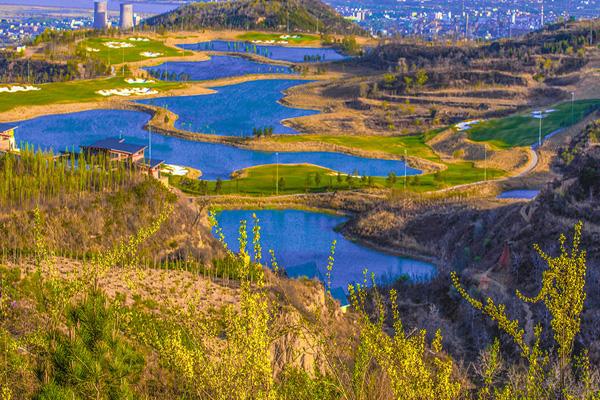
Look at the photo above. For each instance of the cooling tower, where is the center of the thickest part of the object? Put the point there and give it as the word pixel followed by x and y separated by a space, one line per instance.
pixel 126 16
pixel 100 15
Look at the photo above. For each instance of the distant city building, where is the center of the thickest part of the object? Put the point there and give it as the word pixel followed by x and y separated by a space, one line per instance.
pixel 126 16
pixel 100 15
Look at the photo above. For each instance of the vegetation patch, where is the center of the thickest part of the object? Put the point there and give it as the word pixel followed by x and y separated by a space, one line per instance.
pixel 295 179
pixel 71 92
pixel 414 145
pixel 523 129
pixel 291 38
pixel 132 49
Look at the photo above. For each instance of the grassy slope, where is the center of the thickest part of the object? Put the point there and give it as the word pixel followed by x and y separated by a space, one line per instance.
pixel 70 92
pixel 396 145
pixel 523 130
pixel 130 54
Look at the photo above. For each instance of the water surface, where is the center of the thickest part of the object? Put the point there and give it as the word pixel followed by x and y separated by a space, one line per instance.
pixel 235 110
pixel 215 68
pixel 526 194
pixel 68 131
pixel 302 240
pixel 275 52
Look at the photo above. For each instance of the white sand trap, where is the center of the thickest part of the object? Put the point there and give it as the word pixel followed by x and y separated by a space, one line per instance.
pixel 139 39
pixel 176 170
pixel 466 125
pixel 132 81
pixel 126 92
pixel 118 45
pixel 15 89
pixel 150 54
pixel 92 50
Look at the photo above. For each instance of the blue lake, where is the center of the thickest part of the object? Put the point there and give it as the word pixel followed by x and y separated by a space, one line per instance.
pixel 275 52
pixel 60 132
pixel 215 68
pixel 302 240
pixel 235 110
pixel 526 194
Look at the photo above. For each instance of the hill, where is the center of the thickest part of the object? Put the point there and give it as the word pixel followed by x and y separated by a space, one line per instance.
pixel 298 15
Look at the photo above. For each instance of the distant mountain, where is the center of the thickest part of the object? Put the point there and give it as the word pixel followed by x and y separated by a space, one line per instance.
pixel 300 15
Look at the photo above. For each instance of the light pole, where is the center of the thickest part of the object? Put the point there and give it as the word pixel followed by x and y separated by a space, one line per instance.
pixel 572 108
pixel 484 163
pixel 540 131
pixel 277 174
pixel 405 161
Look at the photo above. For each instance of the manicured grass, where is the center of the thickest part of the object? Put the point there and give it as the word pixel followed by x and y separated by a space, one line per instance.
pixel 414 145
pixel 250 36
pixel 301 179
pixel 523 129
pixel 71 92
pixel 128 54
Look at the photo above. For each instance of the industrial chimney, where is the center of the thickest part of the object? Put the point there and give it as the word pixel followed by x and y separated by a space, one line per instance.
pixel 126 21
pixel 100 15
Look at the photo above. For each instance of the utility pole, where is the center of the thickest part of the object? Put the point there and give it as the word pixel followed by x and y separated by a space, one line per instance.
pixel 149 144
pixel 405 162
pixel 540 132
pixel 572 108
pixel 484 163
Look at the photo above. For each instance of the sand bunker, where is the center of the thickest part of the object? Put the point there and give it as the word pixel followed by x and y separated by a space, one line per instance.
pixel 150 54
pixel 174 170
pixel 138 81
pixel 270 41
pixel 118 45
pixel 466 125
pixel 92 50
pixel 139 39
pixel 15 89
pixel 126 92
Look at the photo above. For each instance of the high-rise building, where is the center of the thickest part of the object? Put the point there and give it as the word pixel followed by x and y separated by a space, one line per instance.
pixel 100 15
pixel 126 21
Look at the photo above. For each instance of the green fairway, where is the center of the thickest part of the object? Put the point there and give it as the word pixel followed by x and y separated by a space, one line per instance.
pixel 294 179
pixel 414 144
pixel 291 38
pixel 523 129
pixel 138 50
pixel 72 92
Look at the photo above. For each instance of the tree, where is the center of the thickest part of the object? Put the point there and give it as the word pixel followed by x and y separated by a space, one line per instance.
pixel 421 77
pixel 563 294
pixel 218 186
pixel 281 184
pixel 391 179
pixel 317 179
pixel 408 81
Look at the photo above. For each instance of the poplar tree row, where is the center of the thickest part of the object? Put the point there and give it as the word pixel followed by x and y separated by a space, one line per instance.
pixel 32 176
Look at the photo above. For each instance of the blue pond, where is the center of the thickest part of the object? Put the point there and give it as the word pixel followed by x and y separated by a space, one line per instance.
pixel 59 132
pixel 302 240
pixel 283 53
pixel 215 68
pixel 526 194
pixel 235 110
